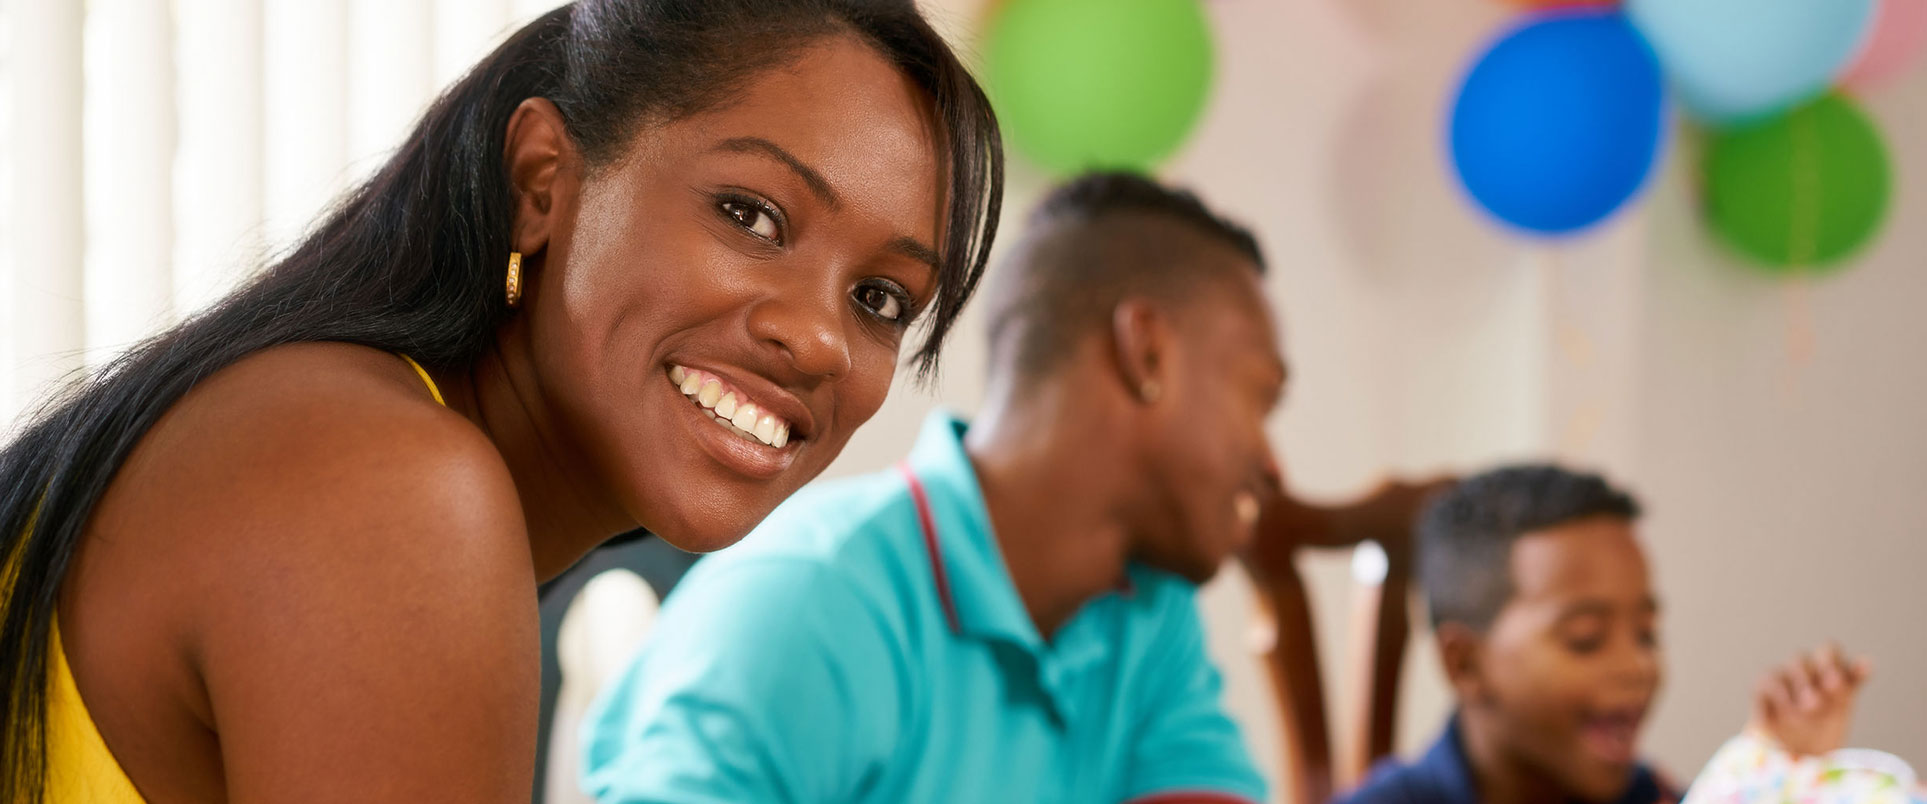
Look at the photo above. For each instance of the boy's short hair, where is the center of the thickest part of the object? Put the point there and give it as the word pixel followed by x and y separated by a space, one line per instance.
pixel 1466 534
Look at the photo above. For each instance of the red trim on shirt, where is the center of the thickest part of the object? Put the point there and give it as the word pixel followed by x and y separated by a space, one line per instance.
pixel 929 525
pixel 1191 797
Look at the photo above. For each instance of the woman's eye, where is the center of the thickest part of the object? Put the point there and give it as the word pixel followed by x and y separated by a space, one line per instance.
pixel 884 304
pixel 754 218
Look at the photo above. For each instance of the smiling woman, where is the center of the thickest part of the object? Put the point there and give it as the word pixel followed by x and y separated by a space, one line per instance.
pixel 649 264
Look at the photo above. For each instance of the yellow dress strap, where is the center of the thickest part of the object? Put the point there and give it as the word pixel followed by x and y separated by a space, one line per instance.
pixel 80 768
pixel 429 381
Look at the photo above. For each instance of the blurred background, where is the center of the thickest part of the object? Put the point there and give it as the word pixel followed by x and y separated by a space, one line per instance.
pixel 1693 267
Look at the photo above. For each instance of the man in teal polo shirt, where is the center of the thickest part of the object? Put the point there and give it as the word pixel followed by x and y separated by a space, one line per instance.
pixel 1007 616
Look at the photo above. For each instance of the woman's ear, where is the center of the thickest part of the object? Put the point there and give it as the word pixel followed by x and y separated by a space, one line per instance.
pixel 537 151
pixel 1142 336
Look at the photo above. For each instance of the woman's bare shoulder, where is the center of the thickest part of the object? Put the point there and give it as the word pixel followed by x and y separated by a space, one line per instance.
pixel 314 447
pixel 339 563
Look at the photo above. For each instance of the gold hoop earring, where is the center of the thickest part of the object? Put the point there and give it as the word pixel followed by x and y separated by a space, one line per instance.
pixel 515 278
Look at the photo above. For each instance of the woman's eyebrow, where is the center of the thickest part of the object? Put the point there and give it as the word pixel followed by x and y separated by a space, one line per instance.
pixel 757 145
pixel 915 249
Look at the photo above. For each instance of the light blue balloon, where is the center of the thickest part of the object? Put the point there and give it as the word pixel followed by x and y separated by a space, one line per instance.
pixel 1736 61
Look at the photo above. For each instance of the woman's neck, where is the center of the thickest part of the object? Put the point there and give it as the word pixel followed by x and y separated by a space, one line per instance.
pixel 564 505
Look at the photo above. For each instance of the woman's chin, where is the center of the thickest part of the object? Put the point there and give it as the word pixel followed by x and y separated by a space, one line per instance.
pixel 704 543
pixel 704 535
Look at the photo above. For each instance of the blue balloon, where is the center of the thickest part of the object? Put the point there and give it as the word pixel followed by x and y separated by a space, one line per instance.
pixel 1736 61
pixel 1557 125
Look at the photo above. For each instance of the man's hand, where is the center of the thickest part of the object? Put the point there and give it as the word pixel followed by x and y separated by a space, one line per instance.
pixel 1806 705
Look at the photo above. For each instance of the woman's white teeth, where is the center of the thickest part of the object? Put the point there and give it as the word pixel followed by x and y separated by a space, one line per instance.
pixel 745 418
pixel 740 415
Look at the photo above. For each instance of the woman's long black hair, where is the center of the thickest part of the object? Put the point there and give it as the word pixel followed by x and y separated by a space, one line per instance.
pixel 413 260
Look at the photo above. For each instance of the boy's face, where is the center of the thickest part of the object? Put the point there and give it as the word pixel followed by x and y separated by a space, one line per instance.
pixel 1565 675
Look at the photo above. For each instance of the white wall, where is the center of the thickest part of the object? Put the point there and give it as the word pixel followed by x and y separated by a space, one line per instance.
pixel 1786 488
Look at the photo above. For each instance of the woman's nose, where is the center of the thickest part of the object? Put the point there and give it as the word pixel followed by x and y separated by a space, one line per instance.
pixel 808 326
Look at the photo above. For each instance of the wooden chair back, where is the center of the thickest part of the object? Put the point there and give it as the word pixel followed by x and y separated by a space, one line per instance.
pixel 1378 530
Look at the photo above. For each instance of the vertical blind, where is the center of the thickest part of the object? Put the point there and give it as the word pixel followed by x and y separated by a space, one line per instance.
pixel 157 151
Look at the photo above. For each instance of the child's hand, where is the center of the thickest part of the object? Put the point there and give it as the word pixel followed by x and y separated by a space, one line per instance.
pixel 1807 704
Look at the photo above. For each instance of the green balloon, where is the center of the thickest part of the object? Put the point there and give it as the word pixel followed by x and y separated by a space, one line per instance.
pixel 1098 83
pixel 1801 192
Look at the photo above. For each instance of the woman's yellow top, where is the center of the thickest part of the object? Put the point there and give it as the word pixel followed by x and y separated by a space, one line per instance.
pixel 79 766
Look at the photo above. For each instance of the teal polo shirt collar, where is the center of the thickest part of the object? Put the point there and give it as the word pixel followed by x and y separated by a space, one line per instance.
pixel 969 568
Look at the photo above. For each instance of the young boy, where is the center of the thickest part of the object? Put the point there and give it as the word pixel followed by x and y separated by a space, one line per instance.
pixel 1547 627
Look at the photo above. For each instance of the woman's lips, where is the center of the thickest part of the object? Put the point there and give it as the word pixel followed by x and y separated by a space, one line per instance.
pixel 761 451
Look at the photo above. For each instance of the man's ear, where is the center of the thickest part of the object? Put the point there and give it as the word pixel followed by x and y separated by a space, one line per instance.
pixel 1143 336
pixel 1462 656
pixel 536 151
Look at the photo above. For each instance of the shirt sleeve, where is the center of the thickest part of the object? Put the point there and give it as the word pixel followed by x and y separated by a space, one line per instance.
pixel 1186 749
pixel 767 680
